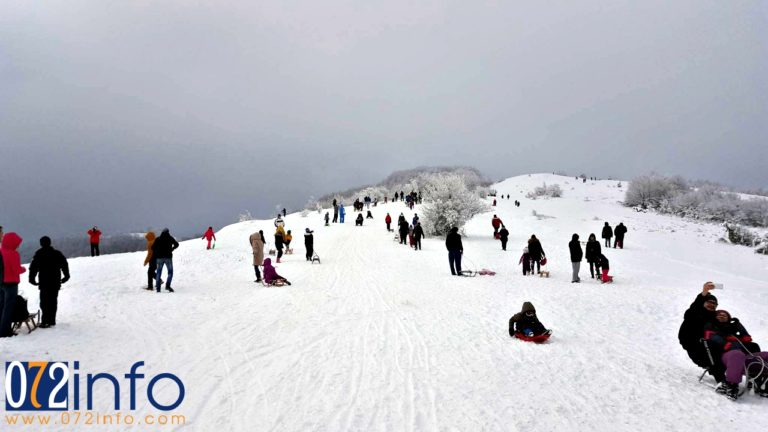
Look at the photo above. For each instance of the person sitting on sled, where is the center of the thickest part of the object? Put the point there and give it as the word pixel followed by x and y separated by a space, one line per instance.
pixel 359 220
pixel 727 335
pixel 526 323
pixel 270 274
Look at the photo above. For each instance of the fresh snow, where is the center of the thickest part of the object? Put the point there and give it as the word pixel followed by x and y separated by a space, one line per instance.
pixel 380 337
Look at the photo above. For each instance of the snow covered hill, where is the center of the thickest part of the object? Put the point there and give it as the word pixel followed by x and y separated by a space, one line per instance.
pixel 380 337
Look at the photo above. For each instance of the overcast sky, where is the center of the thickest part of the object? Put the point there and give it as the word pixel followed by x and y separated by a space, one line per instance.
pixel 129 114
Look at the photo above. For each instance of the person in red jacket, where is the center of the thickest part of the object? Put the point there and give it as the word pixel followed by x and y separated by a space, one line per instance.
pixel 496 222
pixel 388 220
pixel 209 235
pixel 10 276
pixel 95 236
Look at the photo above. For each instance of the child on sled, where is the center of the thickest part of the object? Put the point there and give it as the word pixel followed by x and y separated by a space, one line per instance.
pixel 525 324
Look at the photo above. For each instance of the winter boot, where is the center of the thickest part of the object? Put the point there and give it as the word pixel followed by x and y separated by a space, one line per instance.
pixel 731 391
pixel 278 261
pixel 169 289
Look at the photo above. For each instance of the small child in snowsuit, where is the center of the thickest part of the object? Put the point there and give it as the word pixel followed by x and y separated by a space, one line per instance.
pixel 526 323
pixel 525 260
pixel 327 219
pixel 287 241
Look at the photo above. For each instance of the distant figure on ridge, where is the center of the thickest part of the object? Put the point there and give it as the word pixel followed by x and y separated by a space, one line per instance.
pixel 94 237
pixel 209 235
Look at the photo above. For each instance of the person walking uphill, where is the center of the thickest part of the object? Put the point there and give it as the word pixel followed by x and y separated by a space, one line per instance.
pixel 455 249
pixel 279 236
pixel 388 221
pixel 50 264
pixel 496 223
pixel 10 276
pixel 94 236
pixel 619 233
pixel 162 251
pixel 257 245
pixel 309 243
pixel 576 255
pixel 418 234
pixel 209 235
pixel 607 234
pixel 503 236
pixel 150 260
pixel 592 254
pixel 536 252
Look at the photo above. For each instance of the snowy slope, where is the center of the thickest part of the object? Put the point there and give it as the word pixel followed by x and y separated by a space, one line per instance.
pixel 382 338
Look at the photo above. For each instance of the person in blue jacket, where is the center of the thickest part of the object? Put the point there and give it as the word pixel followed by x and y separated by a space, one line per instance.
pixel 342 213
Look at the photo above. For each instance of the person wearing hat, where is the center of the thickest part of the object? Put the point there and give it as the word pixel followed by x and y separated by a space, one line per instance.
pixel 309 243
pixel 50 264
pixel 739 352
pixel 10 276
pixel 697 318
pixel 526 322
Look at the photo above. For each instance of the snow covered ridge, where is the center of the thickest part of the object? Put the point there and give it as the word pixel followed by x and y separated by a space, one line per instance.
pixel 380 337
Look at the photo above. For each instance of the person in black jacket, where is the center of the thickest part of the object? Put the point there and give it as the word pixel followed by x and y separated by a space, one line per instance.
pixel 162 251
pixel 592 254
pixel 526 322
pixel 503 236
pixel 619 233
pixel 607 234
pixel 536 252
pixel 700 315
pixel 418 233
pixel 359 220
pixel 455 249
pixel 309 243
pixel 50 265
pixel 402 229
pixel 576 255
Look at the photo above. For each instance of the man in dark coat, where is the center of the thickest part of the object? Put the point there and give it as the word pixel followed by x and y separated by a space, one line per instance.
pixel 503 236
pixel 536 252
pixel 455 249
pixel 607 234
pixel 701 314
pixel 592 254
pixel 619 233
pixel 576 255
pixel 309 243
pixel 403 230
pixel 162 251
pixel 49 264
pixel 418 233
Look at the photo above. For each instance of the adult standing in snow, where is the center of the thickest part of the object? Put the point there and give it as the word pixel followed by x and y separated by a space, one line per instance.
pixel 592 254
pixel 285 213
pixel 257 245
pixel 496 223
pixel 94 237
pixel 418 233
pixel 503 236
pixel 619 233
pixel 607 234
pixel 699 316
pixel 335 211
pixel 388 221
pixel 279 236
pixel 50 264
pixel 415 219
pixel 403 229
pixel 209 235
pixel 342 213
pixel 150 260
pixel 455 250
pixel 574 246
pixel 162 251
pixel 731 338
pixel 309 243
pixel 10 276
pixel 536 252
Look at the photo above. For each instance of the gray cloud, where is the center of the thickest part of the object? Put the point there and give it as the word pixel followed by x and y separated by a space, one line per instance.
pixel 131 114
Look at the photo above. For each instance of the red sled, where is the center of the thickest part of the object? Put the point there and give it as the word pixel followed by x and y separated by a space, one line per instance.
pixel 535 339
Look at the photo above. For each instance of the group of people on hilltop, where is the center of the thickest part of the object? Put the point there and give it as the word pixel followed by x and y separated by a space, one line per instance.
pixel 532 257
pixel 618 233
pixel 160 255
pixel 594 256
pixel 719 343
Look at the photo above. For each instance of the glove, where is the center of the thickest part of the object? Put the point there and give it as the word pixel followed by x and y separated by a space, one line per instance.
pixel 64 279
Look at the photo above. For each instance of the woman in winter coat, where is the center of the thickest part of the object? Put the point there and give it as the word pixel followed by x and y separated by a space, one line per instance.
pixel 150 260
pixel 592 254
pixel 526 322
pixel 607 234
pixel 733 340
pixel 257 244
pixel 270 274
pixel 536 252
pixel 576 255
pixel 279 235
pixel 10 264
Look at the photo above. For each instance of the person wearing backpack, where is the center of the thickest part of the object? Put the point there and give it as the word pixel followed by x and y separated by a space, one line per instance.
pixel 10 276
pixel 49 264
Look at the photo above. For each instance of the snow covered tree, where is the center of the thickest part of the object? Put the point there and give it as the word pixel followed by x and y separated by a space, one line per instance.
pixel 448 203
pixel 652 190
